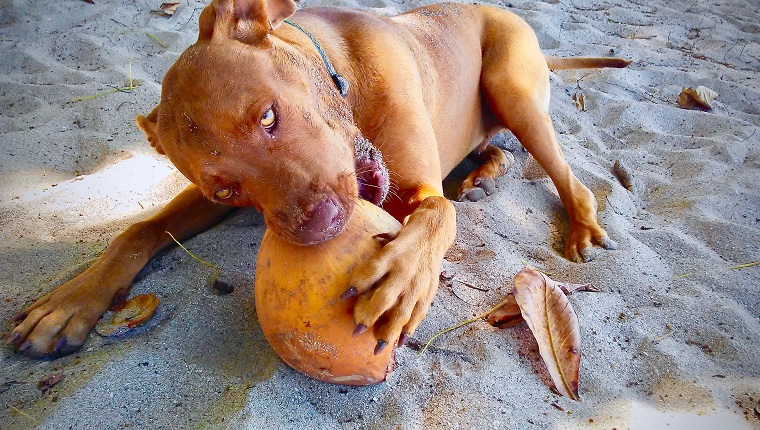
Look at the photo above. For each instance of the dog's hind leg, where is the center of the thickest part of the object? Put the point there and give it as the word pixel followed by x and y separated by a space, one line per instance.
pixel 515 86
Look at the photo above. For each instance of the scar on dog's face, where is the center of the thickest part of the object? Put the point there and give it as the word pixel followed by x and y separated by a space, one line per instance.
pixel 264 127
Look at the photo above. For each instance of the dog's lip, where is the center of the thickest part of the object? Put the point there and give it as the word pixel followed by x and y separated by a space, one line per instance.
pixel 320 221
pixel 372 180
pixel 371 173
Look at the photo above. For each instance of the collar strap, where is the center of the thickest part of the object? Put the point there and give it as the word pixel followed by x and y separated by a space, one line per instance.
pixel 338 80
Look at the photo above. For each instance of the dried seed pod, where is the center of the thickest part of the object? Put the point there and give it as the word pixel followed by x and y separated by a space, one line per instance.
pixel 131 314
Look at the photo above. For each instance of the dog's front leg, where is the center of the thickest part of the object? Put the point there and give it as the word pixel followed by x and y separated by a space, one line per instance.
pixel 396 288
pixel 60 321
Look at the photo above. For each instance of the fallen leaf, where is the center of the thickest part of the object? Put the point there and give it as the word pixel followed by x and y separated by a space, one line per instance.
pixel 48 382
pixel 169 8
pixel 508 315
pixel 569 288
pixel 555 326
pixel 580 101
pixel 623 175
pixel 700 97
pixel 131 314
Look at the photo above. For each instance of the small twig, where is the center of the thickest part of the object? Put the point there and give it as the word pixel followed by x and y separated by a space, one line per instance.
pixel 463 323
pixel 119 22
pixel 578 81
pixel 471 286
pixel 203 262
pixel 659 338
pixel 746 265
pixel 132 85
pixel 753 133
pixel 741 52
pixel 154 37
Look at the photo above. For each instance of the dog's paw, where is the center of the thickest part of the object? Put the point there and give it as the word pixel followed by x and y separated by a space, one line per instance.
pixel 59 322
pixel 581 244
pixel 396 288
pixel 480 188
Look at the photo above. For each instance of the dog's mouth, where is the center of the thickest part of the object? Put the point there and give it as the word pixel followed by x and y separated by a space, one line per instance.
pixel 325 214
pixel 371 173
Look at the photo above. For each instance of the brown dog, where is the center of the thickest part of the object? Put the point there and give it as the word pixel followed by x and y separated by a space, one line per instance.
pixel 253 115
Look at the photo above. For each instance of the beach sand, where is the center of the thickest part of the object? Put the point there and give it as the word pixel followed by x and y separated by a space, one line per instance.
pixel 672 341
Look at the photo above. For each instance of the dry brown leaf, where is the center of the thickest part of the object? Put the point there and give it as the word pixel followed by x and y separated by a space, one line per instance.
pixel 623 174
pixel 508 315
pixel 169 8
pixel 580 101
pixel 555 326
pixel 49 381
pixel 700 97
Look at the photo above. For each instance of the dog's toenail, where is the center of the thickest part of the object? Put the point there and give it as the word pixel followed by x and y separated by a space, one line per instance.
pixel 14 338
pixel 19 317
pixel 24 346
pixel 608 243
pixel 360 328
pixel 60 344
pixel 379 347
pixel 402 339
pixel 349 293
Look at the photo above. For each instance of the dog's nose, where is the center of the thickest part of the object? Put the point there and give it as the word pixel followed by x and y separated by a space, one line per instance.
pixel 323 220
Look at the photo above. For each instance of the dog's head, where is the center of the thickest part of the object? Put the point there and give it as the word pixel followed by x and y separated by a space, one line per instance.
pixel 255 121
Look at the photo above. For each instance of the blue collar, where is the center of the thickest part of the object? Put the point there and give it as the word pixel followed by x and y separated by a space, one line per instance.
pixel 339 80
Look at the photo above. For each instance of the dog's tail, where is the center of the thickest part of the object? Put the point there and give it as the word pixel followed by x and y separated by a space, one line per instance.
pixel 556 63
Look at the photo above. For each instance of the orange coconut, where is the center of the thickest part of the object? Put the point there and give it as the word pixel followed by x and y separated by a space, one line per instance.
pixel 298 304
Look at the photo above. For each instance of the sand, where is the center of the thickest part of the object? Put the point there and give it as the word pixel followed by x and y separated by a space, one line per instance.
pixel 672 341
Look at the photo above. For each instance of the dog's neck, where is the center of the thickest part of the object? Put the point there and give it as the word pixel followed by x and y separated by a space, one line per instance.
pixel 337 79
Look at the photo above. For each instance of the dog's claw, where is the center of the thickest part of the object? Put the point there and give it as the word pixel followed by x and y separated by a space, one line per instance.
pixel 14 339
pixel 402 339
pixel 472 194
pixel 60 344
pixel 349 293
pixel 385 238
pixel 607 243
pixel 487 184
pixel 24 346
pixel 359 329
pixel 482 187
pixel 380 346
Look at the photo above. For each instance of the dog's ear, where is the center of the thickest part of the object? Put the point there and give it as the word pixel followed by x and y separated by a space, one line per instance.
pixel 148 125
pixel 248 21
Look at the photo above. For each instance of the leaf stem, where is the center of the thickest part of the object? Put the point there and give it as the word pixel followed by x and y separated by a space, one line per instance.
pixel 464 323
pixel 200 260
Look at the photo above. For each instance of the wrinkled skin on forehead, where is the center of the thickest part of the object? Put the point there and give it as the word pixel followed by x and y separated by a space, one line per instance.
pixel 216 140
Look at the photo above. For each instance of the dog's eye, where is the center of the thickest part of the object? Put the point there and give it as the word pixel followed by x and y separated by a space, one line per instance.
pixel 268 120
pixel 223 194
